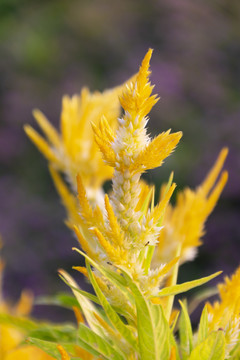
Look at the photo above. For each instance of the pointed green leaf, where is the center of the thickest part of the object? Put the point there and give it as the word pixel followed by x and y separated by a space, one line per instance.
pixel 90 349
pixel 61 299
pixel 153 328
pixel 212 348
pixel 58 333
pixel 81 292
pixel 201 296
pixel 18 321
pixel 203 326
pixel 185 331
pixel 87 307
pixel 110 312
pixel 51 348
pixel 42 330
pixel 148 259
pixel 117 279
pixel 98 343
pixel 47 346
pixel 181 288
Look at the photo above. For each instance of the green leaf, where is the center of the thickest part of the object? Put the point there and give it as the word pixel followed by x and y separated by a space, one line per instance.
pixel 148 259
pixel 117 279
pixel 153 328
pixel 20 322
pixel 87 307
pixel 59 333
pixel 212 348
pixel 203 326
pixel 185 331
pixel 61 299
pixel 123 329
pixel 181 288
pixel 49 347
pixel 201 296
pixel 81 292
pixel 42 330
pixel 98 343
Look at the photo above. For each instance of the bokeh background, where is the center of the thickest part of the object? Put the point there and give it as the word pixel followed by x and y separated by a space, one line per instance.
pixel 51 48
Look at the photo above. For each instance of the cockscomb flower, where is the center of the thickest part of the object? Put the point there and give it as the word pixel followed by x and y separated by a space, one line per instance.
pixel 225 314
pixel 184 223
pixel 125 235
pixel 73 149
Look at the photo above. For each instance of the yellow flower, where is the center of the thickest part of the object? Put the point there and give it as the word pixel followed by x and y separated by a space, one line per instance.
pixel 184 222
pixel 127 232
pixel 225 314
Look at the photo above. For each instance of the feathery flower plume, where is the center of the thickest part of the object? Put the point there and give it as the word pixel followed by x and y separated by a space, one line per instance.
pixel 184 223
pixel 125 234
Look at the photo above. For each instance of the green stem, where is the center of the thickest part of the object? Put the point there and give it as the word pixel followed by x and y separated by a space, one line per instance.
pixel 173 281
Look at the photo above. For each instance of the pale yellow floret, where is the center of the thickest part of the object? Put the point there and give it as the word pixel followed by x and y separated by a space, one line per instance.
pixel 225 313
pixel 184 223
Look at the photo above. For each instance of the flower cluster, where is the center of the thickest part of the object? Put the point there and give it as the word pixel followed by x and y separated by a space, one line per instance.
pixel 132 246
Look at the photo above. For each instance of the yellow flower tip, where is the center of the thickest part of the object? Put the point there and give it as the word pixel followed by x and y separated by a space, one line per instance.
pixel 25 303
pixel 61 272
pixel 173 354
pixel 144 68
pixel 27 128
pixel 78 314
pixel 63 353
pixel 179 135
pixel 81 269
pixel 2 266
pixel 36 113
pixel 214 172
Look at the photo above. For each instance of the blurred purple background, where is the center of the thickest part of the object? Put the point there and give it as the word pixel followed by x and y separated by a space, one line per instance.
pixel 52 48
